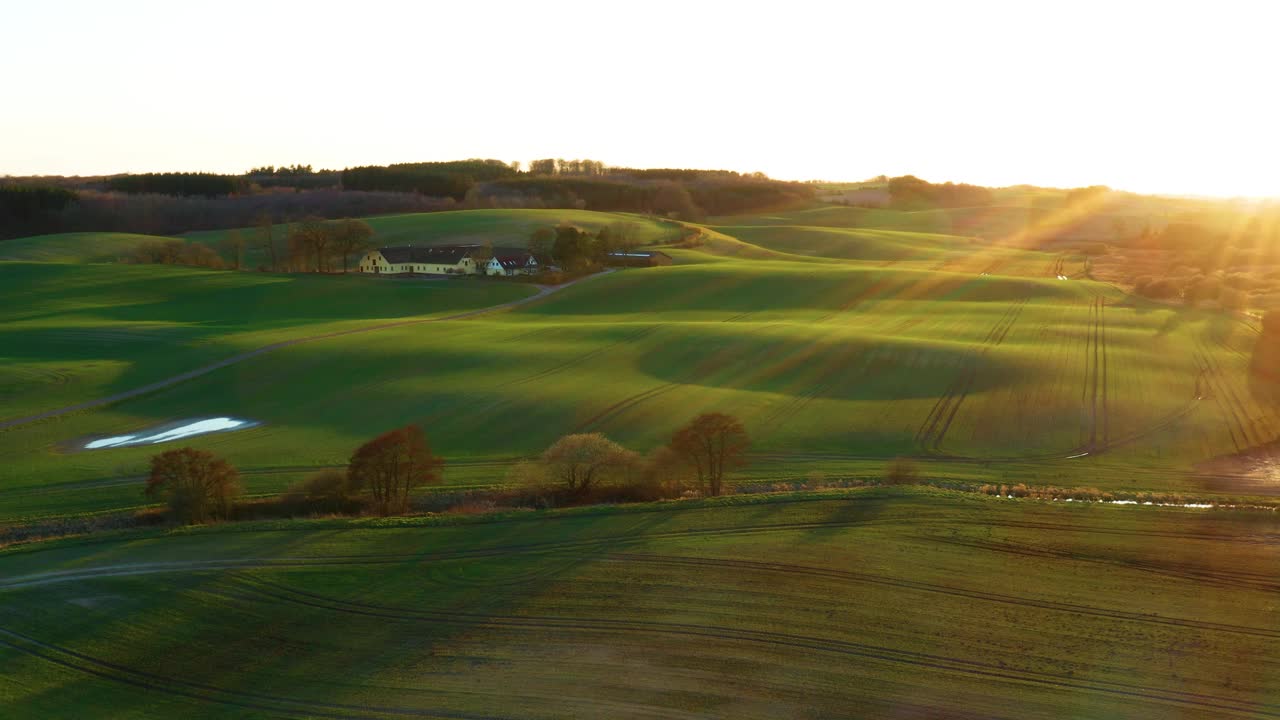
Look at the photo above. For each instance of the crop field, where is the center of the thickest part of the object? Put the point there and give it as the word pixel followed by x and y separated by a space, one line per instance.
pixel 74 332
pixel 885 602
pixel 834 367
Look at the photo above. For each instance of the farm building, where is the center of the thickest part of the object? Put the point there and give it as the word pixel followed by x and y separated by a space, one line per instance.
pixel 447 260
pixel 635 258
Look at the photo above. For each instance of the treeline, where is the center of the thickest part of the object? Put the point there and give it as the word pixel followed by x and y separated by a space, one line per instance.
pixel 293 176
pixel 690 201
pixel 909 192
pixel 172 203
pixel 181 184
pixel 23 206
pixel 196 486
pixel 169 215
pixel 442 179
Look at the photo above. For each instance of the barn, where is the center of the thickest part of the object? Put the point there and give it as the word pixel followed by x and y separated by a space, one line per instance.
pixel 447 260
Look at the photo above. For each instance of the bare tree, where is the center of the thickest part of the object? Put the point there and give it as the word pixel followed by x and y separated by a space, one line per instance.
pixel 713 444
pixel 352 237
pixel 391 465
pixel 264 239
pixel 581 461
pixel 197 485
pixel 233 244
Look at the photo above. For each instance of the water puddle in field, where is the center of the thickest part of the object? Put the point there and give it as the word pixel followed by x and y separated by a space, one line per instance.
pixel 171 431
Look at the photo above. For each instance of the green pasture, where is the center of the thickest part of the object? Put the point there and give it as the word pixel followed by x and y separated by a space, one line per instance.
pixel 834 368
pixel 873 603
pixel 70 333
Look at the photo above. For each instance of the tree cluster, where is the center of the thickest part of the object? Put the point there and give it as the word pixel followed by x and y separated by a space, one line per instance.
pixel 590 466
pixel 316 245
pixel 909 192
pixel 26 209
pixel 441 179
pixel 181 184
pixel 176 252
pixel 293 176
pixel 574 248
pixel 198 487
pixel 96 211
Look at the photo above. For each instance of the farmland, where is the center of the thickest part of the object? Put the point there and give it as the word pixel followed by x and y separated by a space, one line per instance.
pixel 840 345
pixel 893 602
pixel 977 361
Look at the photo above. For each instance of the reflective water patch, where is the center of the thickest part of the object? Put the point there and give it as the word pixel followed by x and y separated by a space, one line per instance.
pixel 170 432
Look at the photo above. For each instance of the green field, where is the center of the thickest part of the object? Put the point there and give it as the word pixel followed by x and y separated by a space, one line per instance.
pixel 875 603
pixel 841 346
pixel 983 368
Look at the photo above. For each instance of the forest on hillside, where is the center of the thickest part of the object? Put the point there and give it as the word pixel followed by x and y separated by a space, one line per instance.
pixel 176 202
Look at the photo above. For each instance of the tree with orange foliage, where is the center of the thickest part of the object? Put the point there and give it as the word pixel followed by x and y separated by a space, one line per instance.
pixel 197 485
pixel 391 465
pixel 713 444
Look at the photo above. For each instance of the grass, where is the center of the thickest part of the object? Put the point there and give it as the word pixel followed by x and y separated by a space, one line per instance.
pixel 889 602
pixel 831 367
pixel 71 332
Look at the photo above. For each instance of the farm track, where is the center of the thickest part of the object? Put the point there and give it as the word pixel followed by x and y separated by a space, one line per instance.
pixel 842 648
pixel 543 292
pixel 936 425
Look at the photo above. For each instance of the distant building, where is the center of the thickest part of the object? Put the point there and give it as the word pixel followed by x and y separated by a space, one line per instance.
pixel 637 258
pixel 447 260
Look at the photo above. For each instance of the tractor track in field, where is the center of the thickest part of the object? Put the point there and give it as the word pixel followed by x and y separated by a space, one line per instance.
pixel 1212 578
pixel 277 705
pixel 593 544
pixel 1257 430
pixel 624 405
pixel 543 292
pixel 1234 417
pixel 1093 397
pixel 806 643
pixel 868 293
pixel 788 569
pixel 934 430
pixel 585 357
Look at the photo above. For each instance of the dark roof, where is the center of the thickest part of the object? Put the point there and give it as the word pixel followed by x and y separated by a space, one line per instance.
pixel 442 254
pixel 510 257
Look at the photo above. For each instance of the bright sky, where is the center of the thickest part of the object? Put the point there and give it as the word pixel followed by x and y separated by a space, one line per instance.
pixel 1170 96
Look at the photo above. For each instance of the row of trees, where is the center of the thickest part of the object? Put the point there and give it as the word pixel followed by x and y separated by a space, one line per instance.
pixel 316 244
pixel 309 245
pixel 178 183
pixel 197 486
pixel 701 454
pixel 97 211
